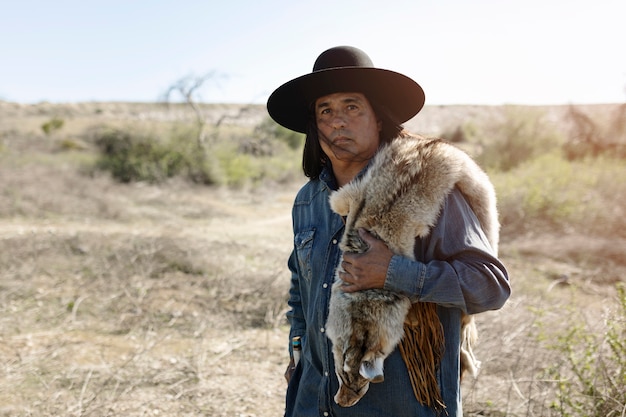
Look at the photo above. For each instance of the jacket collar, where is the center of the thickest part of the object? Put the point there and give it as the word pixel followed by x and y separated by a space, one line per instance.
pixel 328 177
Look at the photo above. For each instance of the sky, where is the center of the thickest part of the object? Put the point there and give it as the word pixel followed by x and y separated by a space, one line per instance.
pixel 486 52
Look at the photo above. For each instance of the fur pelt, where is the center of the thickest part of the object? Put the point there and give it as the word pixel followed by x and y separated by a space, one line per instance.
pixel 398 199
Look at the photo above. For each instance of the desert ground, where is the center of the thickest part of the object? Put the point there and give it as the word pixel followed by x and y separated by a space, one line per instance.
pixel 169 300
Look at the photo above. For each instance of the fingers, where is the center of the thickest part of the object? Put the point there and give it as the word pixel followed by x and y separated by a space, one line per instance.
pixel 346 277
pixel 350 282
pixel 346 272
pixel 350 287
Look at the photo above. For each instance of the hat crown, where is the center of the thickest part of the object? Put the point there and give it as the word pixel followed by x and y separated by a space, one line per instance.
pixel 344 69
pixel 341 57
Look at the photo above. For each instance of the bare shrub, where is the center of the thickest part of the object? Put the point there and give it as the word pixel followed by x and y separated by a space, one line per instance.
pixel 591 137
pixel 523 135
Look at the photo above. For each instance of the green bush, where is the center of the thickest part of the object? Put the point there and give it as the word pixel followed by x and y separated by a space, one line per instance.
pixel 134 156
pixel 239 169
pixel 52 125
pixel 131 155
pixel 591 380
pixel 68 144
pixel 269 129
pixel 467 132
pixel 553 193
pixel 267 153
pixel 521 136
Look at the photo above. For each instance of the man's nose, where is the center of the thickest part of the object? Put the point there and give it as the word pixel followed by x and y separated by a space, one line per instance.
pixel 338 122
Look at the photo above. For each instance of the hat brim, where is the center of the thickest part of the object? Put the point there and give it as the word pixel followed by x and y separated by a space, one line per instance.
pixel 400 96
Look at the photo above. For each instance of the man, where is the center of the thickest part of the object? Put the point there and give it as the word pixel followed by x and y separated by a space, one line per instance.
pixel 348 109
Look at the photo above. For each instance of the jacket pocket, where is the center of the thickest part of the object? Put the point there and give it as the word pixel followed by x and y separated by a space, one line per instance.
pixel 304 245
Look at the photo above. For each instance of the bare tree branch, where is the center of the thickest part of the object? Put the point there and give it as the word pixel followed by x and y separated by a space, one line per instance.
pixel 188 88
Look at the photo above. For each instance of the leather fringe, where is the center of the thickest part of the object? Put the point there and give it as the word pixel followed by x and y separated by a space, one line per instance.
pixel 422 350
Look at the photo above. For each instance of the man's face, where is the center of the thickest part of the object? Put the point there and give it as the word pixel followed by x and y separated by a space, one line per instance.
pixel 349 130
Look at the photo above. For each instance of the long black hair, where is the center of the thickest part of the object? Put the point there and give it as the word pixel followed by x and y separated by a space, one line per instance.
pixel 313 157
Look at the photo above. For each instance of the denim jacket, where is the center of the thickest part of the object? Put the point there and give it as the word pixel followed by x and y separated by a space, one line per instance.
pixel 457 270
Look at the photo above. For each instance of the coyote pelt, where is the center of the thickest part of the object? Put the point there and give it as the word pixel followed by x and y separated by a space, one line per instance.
pixel 398 199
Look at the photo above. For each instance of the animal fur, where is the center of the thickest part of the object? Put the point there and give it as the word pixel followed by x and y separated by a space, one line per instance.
pixel 398 199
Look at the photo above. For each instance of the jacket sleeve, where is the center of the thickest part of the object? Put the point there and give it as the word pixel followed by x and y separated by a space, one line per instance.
pixel 295 314
pixel 457 267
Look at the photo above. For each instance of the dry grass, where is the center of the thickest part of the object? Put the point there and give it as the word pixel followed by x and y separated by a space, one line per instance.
pixel 138 300
pixel 169 300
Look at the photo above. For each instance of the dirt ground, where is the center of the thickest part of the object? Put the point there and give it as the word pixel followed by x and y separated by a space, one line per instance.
pixel 145 300
pixel 83 337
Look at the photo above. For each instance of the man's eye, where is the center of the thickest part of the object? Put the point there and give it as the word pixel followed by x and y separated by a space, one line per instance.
pixel 325 111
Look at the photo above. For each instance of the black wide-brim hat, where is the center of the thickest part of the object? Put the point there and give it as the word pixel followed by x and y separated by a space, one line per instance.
pixel 345 69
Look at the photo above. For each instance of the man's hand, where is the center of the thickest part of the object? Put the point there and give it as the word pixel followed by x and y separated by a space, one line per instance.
pixel 364 271
pixel 290 370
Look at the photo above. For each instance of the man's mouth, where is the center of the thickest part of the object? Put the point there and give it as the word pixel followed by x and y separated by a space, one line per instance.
pixel 340 140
